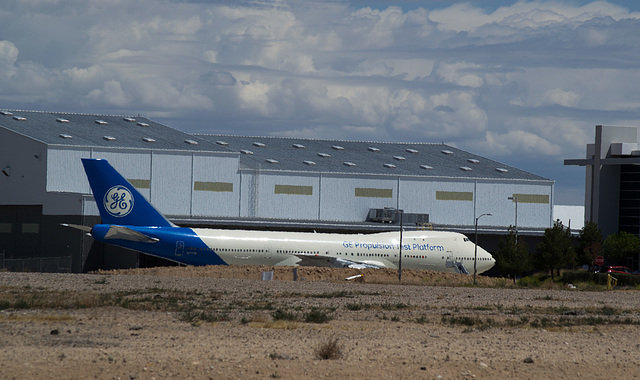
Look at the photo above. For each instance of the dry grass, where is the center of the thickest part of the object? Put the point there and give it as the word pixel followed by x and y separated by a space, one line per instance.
pixel 281 325
pixel 329 350
pixel 36 318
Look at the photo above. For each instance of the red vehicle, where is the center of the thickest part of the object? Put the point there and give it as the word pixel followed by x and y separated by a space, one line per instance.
pixel 616 269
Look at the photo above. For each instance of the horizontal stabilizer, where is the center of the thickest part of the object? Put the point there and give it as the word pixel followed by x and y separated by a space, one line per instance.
pixel 77 227
pixel 125 233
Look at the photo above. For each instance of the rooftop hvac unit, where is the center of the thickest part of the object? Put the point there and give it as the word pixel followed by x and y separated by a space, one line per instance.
pixel 392 215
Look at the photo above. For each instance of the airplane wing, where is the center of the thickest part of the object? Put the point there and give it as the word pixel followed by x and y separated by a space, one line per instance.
pixel 312 260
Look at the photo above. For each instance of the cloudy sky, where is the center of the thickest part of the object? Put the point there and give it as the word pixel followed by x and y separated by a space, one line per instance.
pixel 521 82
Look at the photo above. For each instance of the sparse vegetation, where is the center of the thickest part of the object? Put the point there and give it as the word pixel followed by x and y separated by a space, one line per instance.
pixel 281 315
pixel 555 318
pixel 354 306
pixel 329 350
pixel 421 320
pixel 317 316
pixel 195 317
pixel 159 312
pixel 332 295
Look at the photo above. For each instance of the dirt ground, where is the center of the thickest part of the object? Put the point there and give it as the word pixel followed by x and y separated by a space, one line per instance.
pixel 226 323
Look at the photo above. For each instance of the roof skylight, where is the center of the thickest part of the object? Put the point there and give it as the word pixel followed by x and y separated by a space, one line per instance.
pixel 427 167
pixel 108 138
pixel 223 143
pixel 389 165
pixel 348 163
pixel 259 144
pixel 271 161
pixel 148 139
pixel 307 162
pixel 244 151
pixel 141 124
pixel 325 155
pixel 65 136
pixel 337 147
pixel 129 119
pixel 501 170
pixel 447 152
pixel 299 146
pixel 473 160
pixel 399 158
pixel 373 149
pixel 19 118
pixel 191 142
pixel 5 113
pixel 414 151
pixel 466 168
pixel 62 120
pixel 101 122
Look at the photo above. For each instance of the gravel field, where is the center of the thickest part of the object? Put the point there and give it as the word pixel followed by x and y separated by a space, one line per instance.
pixel 225 323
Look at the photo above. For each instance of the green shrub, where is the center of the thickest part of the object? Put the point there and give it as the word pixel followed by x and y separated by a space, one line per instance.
pixel 317 316
pixel 280 315
pixel 529 282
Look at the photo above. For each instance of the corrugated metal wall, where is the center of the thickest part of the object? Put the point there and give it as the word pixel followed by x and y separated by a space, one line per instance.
pixel 446 201
pixel 65 171
pixel 171 183
pixel 288 196
pixel 135 166
pixel 339 200
pixel 216 186
pixel 534 203
pixel 185 184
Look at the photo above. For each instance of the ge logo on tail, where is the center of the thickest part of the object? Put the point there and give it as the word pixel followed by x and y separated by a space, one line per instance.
pixel 118 201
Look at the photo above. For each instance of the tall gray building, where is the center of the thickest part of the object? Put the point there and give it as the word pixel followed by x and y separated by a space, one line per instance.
pixel 612 187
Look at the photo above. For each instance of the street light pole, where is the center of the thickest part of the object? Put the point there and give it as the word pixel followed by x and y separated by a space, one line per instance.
pixel 475 256
pixel 400 259
pixel 516 226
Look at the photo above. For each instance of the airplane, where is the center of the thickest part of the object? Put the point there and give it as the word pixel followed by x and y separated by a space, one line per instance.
pixel 130 221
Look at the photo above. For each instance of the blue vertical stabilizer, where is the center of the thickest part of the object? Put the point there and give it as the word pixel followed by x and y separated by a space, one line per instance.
pixel 118 201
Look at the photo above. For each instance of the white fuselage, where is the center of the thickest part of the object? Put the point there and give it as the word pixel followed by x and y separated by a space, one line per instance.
pixel 429 250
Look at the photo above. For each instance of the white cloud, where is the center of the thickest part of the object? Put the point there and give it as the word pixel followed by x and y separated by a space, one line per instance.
pixel 562 97
pixel 529 78
pixel 111 94
pixel 520 142
pixel 8 54
pixel 582 88
pixel 524 15
pixel 537 137
pixel 377 27
pixel 461 73
pixel 84 75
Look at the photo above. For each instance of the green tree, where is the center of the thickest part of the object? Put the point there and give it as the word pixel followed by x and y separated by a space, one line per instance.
pixel 620 244
pixel 589 244
pixel 555 250
pixel 512 257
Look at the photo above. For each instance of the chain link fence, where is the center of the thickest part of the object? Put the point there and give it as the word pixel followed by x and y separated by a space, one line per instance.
pixel 61 264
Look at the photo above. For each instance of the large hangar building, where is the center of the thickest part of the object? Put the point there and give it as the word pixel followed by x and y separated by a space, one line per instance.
pixel 227 181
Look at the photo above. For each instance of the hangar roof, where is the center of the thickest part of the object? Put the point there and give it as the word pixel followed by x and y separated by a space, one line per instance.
pixel 108 131
pixel 362 157
pixel 263 153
